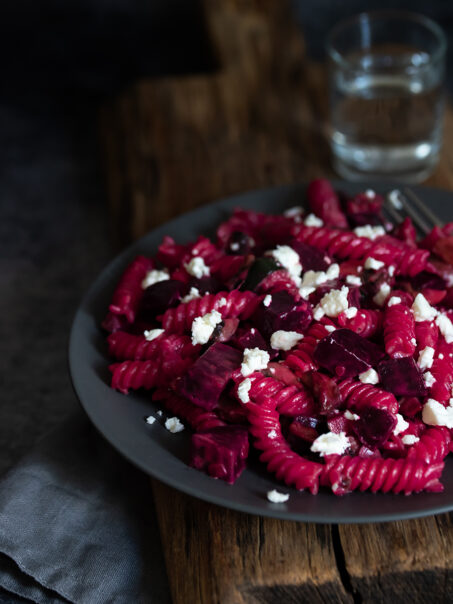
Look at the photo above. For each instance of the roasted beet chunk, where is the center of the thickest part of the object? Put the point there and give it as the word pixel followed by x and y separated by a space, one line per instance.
pixel 160 296
pixel 402 377
pixel 238 244
pixel 283 313
pixel 221 452
pixel 208 376
pixel 311 258
pixel 374 427
pixel 346 354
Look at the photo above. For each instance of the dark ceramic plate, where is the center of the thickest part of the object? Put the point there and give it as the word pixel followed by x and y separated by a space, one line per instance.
pixel 162 454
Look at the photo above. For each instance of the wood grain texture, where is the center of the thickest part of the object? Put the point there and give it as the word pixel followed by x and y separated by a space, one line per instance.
pixel 173 144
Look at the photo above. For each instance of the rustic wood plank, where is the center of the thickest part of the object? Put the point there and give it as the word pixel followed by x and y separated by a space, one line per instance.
pixel 222 556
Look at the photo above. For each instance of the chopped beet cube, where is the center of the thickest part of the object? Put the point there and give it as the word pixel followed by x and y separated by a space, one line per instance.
pixel 325 392
pixel 283 313
pixel 221 452
pixel 282 373
pixel 311 258
pixel 208 376
pixel 225 331
pixel 206 285
pixel 338 423
pixel 346 354
pixel 303 432
pixel 238 244
pixel 251 338
pixel 410 406
pixel 374 427
pixel 427 280
pixel 402 377
pixel 160 296
pixel 231 411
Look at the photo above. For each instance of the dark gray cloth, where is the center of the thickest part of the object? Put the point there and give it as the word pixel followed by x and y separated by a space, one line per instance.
pixel 77 524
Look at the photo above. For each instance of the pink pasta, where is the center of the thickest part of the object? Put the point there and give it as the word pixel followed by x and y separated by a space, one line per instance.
pixel 315 356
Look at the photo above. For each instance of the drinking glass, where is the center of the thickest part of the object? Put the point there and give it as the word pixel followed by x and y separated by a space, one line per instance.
pixel 386 72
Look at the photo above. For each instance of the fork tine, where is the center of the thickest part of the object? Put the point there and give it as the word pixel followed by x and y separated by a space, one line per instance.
pixel 418 220
pixel 392 211
pixel 423 208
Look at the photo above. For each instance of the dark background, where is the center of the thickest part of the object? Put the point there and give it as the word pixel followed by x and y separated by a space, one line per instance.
pixel 59 61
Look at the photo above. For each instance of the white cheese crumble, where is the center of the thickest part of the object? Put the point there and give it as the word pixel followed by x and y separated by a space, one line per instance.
pixel 154 276
pixel 203 327
pixel 350 312
pixel 150 420
pixel 330 328
pixel 435 414
pixel 401 424
pixel 318 313
pixel 221 302
pixel 173 425
pixel 373 264
pixel 370 193
pixel 352 416
pixel 275 496
pixel 292 212
pixel 369 377
pixel 234 246
pixel 160 413
pixel 197 267
pixel 391 270
pixel 288 258
pixel 410 439
pixel 244 390
pixel 429 379
pixel 422 309
pixel 425 358
pixel 353 280
pixel 382 294
pixel 334 302
pixel 285 340
pixel 445 327
pixel 394 198
pixel 313 279
pixel 330 444
pixel 267 300
pixel 394 300
pixel 313 221
pixel 441 356
pixel 272 434
pixel 193 294
pixel 369 231
pixel 254 359
pixel 152 334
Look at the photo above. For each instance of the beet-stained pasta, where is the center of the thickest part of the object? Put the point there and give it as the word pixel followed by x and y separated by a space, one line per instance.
pixel 321 338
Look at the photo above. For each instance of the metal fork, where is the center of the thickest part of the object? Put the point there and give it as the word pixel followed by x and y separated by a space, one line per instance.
pixel 414 207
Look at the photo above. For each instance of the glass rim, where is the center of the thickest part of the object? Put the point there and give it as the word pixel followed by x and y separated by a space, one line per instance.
pixel 407 16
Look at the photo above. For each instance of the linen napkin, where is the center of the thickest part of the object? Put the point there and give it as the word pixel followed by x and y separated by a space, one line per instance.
pixel 77 524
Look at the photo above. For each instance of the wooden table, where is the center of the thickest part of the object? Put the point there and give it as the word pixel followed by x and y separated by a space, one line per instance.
pixel 176 143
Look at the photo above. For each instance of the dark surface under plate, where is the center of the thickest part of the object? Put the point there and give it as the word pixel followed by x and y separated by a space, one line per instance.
pixel 163 455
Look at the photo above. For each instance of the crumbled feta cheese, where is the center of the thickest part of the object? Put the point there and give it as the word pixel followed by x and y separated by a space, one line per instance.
pixel 334 302
pixel 429 379
pixel 353 280
pixel 441 356
pixel 234 246
pixel 394 300
pixel 152 334
pixel 159 413
pixel 401 424
pixel 267 300
pixel 254 359
pixel 369 231
pixel 275 496
pixel 382 294
pixel 197 267
pixel 425 358
pixel 313 221
pixel 445 327
pixel 285 340
pixel 330 328
pixel 288 258
pixel 154 276
pixel 373 264
pixel 352 416
pixel 413 341
pixel 173 425
pixel 150 420
pixel 244 389
pixel 330 444
pixel 203 327
pixel 313 279
pixel 350 312
pixel 422 309
pixel 370 193
pixel 292 212
pixel 221 302
pixel 435 414
pixel 391 270
pixel 272 434
pixel 192 295
pixel 394 198
pixel 369 377
pixel 410 439
pixel 318 313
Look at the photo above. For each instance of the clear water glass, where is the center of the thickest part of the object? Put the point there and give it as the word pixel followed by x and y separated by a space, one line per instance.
pixel 386 73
